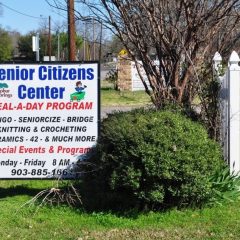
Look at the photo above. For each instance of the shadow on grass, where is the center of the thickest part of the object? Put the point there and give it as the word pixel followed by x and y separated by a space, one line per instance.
pixel 19 190
pixel 107 88
pixel 92 203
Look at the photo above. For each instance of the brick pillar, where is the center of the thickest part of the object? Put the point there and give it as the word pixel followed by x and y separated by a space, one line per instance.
pixel 124 81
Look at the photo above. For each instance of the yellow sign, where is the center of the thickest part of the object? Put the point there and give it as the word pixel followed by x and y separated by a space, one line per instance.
pixel 122 52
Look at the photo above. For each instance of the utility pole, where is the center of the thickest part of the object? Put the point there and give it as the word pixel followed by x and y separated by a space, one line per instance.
pixel 49 39
pixel 71 31
pixel 84 42
pixel 93 39
pixel 100 47
pixel 58 52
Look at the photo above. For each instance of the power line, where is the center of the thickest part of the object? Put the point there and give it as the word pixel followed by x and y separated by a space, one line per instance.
pixel 59 14
pixel 55 7
pixel 16 11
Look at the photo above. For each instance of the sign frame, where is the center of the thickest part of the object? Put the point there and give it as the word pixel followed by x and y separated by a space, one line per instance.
pixel 98 120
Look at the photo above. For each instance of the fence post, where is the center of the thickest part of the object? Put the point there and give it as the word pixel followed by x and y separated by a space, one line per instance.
pixel 223 103
pixel 217 60
pixel 234 113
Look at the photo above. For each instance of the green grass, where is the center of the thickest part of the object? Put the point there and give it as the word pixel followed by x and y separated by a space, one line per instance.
pixel 111 97
pixel 220 222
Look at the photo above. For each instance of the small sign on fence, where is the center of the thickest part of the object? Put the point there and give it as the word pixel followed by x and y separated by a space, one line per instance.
pixel 49 116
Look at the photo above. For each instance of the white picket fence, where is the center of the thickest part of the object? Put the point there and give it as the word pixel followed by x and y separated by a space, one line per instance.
pixel 230 109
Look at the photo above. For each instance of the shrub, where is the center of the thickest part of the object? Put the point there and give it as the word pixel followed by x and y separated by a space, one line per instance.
pixel 153 159
pixel 225 186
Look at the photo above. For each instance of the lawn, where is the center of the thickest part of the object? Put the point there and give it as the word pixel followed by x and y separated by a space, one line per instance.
pixel 111 97
pixel 16 222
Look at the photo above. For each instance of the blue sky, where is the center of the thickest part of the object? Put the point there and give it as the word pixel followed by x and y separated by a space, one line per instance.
pixel 36 9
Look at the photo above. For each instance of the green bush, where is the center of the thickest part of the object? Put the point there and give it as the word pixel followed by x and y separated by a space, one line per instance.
pixel 225 186
pixel 153 159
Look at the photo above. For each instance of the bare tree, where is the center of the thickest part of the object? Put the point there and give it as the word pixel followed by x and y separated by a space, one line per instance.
pixel 182 34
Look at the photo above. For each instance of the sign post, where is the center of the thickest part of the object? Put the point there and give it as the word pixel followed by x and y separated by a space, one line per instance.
pixel 49 116
pixel 35 46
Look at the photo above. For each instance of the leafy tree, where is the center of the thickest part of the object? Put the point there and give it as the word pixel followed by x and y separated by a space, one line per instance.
pixel 113 46
pixel 6 47
pixel 25 45
pixel 64 44
pixel 116 45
